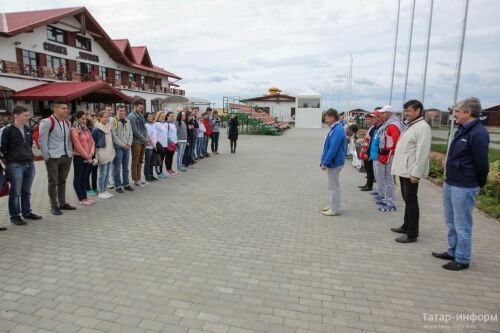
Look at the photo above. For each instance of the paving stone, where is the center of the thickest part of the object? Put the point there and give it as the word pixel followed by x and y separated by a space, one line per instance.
pixel 251 254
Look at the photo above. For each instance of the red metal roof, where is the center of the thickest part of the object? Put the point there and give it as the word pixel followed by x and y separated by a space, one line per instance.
pixel 15 23
pixel 138 52
pixel 93 91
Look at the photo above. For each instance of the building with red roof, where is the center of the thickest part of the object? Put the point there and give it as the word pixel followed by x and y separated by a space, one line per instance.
pixel 67 45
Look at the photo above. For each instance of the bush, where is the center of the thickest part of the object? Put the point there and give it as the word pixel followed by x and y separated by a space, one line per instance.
pixel 436 170
pixel 492 188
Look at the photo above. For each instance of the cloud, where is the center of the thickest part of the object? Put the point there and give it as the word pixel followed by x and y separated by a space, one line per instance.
pixel 241 48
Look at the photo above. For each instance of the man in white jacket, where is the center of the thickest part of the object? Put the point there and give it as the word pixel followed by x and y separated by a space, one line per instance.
pixel 410 164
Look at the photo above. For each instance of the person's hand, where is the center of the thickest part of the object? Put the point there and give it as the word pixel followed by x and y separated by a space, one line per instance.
pixel 323 167
pixel 414 180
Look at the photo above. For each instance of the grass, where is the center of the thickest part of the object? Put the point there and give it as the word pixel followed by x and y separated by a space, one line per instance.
pixel 489 205
pixel 495 142
pixel 435 138
pixel 493 155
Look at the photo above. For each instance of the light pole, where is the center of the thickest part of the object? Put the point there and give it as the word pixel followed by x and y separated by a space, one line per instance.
pixel 395 49
pixel 427 50
pixel 409 50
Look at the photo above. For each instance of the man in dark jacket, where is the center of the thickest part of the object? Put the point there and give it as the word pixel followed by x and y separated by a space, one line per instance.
pixel 16 149
pixel 466 172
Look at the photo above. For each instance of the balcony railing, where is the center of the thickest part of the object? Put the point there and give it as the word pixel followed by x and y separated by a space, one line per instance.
pixel 56 74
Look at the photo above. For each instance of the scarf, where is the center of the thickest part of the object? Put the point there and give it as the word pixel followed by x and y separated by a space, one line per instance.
pixel 80 127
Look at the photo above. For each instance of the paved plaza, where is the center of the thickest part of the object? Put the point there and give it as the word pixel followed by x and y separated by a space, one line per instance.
pixel 238 245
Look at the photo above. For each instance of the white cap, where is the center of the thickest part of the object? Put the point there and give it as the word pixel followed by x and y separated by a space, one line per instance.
pixel 387 108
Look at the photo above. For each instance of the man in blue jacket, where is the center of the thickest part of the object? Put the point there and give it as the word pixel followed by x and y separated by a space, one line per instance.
pixel 333 160
pixel 466 172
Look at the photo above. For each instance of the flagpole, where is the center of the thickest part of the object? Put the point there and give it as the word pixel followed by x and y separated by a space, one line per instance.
pixel 349 90
pixel 395 49
pixel 409 50
pixel 459 70
pixel 427 50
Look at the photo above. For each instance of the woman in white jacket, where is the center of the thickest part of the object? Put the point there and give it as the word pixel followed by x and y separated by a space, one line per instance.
pixel 410 164
pixel 162 137
pixel 171 143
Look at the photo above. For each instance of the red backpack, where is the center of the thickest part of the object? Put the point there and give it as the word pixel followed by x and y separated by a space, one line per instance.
pixel 36 130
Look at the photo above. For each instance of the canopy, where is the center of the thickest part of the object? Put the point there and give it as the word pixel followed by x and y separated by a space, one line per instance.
pixel 87 91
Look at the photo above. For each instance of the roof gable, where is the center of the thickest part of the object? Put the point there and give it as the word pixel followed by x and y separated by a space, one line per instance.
pixel 15 23
pixel 141 56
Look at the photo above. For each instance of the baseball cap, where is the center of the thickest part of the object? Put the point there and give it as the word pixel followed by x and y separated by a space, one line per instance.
pixel 387 108
pixel 376 113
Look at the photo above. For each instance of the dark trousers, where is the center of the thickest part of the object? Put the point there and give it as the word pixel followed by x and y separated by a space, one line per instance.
pixel 370 175
pixel 21 177
pixel 187 160
pixel 81 174
pixel 215 141
pixel 169 157
pixel 412 212
pixel 233 146
pixel 148 167
pixel 91 181
pixel 57 172
pixel 159 168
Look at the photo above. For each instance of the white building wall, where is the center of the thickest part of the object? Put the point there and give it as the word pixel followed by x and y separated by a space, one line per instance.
pixel 308 118
pixel 282 110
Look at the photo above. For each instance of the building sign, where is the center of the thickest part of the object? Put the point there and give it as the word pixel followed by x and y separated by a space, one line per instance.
pixel 54 48
pixel 89 56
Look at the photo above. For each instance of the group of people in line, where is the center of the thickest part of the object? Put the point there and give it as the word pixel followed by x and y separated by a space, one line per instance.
pixel 101 147
pixel 394 149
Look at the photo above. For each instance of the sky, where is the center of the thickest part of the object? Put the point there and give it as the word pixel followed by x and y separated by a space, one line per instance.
pixel 242 48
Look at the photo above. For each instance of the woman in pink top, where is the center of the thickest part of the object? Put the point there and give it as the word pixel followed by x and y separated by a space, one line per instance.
pixel 84 148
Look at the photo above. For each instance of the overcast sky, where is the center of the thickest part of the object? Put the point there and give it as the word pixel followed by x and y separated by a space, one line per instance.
pixel 241 48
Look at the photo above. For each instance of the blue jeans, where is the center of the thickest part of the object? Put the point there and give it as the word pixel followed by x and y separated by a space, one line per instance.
pixel 81 174
pixel 458 203
pixel 199 146
pixel 21 178
pixel 120 164
pixel 148 168
pixel 181 147
pixel 103 176
pixel 205 148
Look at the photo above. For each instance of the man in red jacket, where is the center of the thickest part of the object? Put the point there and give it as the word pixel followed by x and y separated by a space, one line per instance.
pixel 208 132
pixel 388 136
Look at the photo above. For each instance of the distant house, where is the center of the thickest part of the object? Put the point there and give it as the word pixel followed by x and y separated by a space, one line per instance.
pixel 436 117
pixel 492 116
pixel 276 103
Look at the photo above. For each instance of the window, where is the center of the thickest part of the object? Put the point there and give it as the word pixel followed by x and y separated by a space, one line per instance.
pixel 131 77
pixel 83 68
pixel 58 65
pixel 56 35
pixel 142 80
pixel 118 77
pixel 83 43
pixel 309 103
pixel 30 62
pixel 102 73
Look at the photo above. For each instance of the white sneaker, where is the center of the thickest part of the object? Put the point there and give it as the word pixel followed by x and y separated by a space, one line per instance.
pixel 331 213
pixel 104 195
pixel 109 194
pixel 144 183
pixel 326 208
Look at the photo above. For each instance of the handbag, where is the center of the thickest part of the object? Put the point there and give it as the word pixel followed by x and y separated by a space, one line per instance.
pixel 4 183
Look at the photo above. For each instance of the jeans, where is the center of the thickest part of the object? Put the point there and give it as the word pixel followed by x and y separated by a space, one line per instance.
pixel 57 172
pixel 103 176
pixel 181 147
pixel 162 153
pixel 409 191
pixel 200 142
pixel 206 145
pixel 81 173
pixel 458 204
pixel 21 177
pixel 334 188
pixel 194 153
pixel 120 164
pixel 148 167
pixel 215 141
pixel 91 181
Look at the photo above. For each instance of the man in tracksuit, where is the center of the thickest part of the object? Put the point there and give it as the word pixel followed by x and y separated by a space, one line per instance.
pixel 466 172
pixel 333 160
pixel 16 150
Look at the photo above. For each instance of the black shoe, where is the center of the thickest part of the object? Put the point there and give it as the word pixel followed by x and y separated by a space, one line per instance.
pixel 119 190
pixel 18 221
pixel 3 228
pixel 32 216
pixel 444 256
pixel 67 206
pixel 153 179
pixel 56 211
pixel 366 189
pixel 455 266
pixel 363 186
pixel 399 230
pixel 406 239
pixel 128 188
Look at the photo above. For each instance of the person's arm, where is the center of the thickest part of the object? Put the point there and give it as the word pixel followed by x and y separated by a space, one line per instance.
pixel 77 145
pixel 43 138
pixel 393 134
pixel 95 136
pixel 5 142
pixel 335 142
pixel 479 148
pixel 424 140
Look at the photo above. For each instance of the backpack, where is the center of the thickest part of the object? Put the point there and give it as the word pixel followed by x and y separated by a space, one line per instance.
pixel 115 122
pixel 36 130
